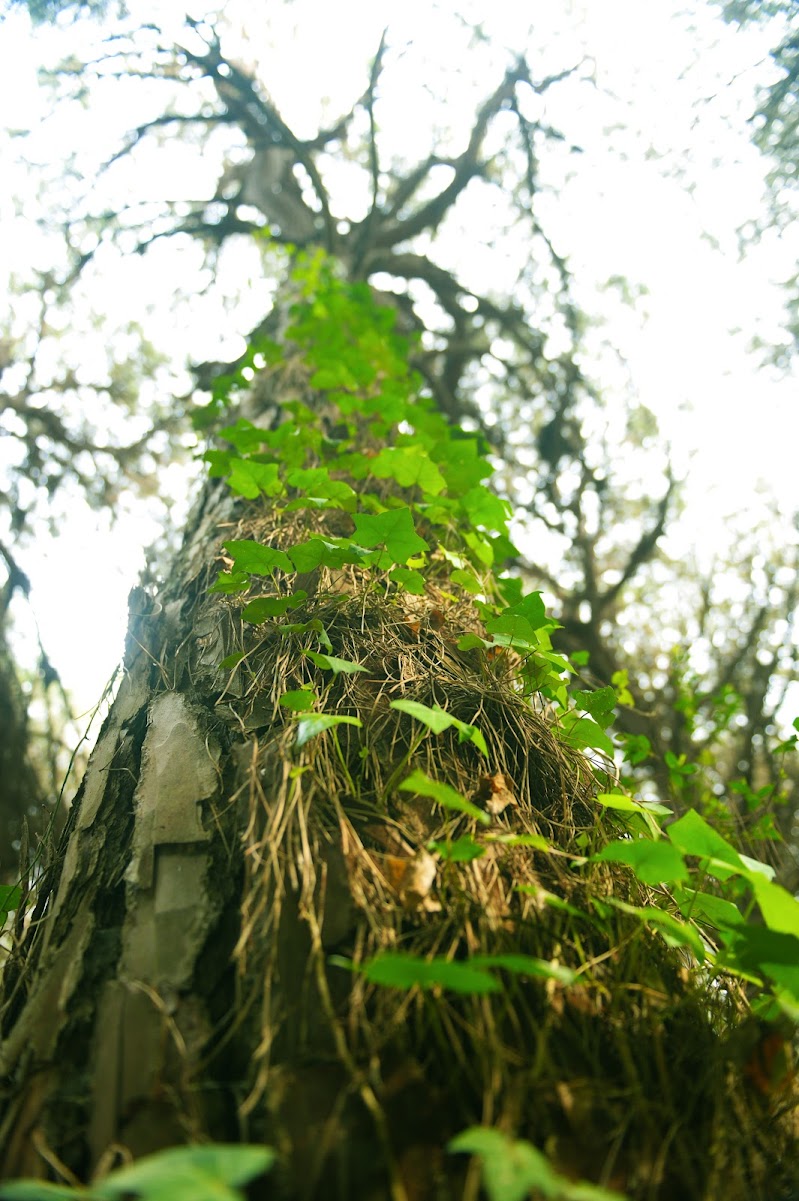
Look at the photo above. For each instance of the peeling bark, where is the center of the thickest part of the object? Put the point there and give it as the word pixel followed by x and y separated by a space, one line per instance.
pixel 94 1000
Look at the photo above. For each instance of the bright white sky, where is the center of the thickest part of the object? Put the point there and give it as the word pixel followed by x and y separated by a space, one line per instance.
pixel 676 97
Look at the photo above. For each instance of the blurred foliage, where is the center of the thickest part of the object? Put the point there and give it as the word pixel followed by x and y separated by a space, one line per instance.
pixel 44 12
pixel 775 131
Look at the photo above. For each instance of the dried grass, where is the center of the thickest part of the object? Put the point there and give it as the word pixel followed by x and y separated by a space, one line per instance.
pixel 623 1077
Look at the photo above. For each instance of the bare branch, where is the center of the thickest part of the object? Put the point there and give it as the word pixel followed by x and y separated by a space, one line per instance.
pixel 365 230
pixel 644 548
pixel 17 578
pixel 465 167
pixel 258 118
pixel 166 119
pixel 406 187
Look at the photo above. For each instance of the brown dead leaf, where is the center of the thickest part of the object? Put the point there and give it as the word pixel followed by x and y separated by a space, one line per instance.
pixel 412 878
pixel 493 793
pixel 437 619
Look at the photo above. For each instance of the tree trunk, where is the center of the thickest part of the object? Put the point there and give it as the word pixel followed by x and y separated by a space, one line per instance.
pixel 175 983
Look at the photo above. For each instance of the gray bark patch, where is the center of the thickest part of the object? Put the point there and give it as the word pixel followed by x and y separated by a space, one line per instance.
pixel 178 773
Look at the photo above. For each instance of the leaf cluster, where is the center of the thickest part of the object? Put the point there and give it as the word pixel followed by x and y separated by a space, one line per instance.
pixel 439 515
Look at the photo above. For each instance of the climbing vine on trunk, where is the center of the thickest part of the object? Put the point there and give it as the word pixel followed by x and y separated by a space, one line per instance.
pixel 350 876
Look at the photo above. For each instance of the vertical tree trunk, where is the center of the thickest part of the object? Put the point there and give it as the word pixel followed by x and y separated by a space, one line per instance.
pixel 136 900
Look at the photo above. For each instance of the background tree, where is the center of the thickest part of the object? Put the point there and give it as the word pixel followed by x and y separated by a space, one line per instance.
pixel 774 131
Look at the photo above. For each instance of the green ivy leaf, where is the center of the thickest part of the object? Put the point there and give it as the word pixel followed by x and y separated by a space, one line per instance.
pixel 308 478
pixel 461 850
pixel 42 1190
pixel 461 463
pixel 264 607
pixel 202 1173
pixel 600 703
pixel 758 951
pixel 652 862
pixel 532 608
pixel 412 581
pixel 233 660
pixel 637 747
pixel 314 626
pixel 485 509
pixel 694 836
pixel 510 588
pixel 480 548
pixel 679 767
pixel 513 1168
pixel 355 464
pixel 320 491
pixel 246 437
pixel 524 624
pixel 257 559
pixel 410 466
pixel 648 814
pixel 421 784
pixel 621 682
pixel 757 867
pixel 471 642
pixel 583 732
pixel 393 529
pixel 438 720
pixel 704 907
pixel 617 800
pixel 316 723
pixel 322 552
pixel 675 932
pixel 467 580
pixel 526 965
pixel 299 701
pixel 228 583
pixel 249 478
pixel 395 969
pixel 10 899
pixel 779 908
pixel 331 663
pixel 218 463
pixel 334 374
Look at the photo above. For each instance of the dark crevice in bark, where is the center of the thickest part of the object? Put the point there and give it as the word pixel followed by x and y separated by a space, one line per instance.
pixel 69 1116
